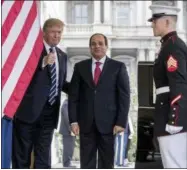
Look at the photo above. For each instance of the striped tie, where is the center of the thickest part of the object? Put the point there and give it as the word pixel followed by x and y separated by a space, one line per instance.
pixel 53 90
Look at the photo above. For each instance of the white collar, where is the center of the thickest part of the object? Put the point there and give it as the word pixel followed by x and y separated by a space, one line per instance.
pixel 47 46
pixel 102 60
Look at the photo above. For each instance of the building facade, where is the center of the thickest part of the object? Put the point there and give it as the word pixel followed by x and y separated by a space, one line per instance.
pixel 123 22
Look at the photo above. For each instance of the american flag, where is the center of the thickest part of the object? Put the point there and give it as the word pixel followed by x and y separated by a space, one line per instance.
pixel 21 48
pixel 22 45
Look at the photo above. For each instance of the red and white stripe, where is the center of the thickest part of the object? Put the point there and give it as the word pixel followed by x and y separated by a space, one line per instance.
pixel 21 49
pixel 176 99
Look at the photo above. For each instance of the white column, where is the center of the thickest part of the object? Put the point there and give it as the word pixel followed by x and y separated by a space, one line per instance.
pixel 108 53
pixel 97 12
pixel 107 12
pixel 62 11
pixel 131 13
pixel 141 55
pixel 45 13
pixel 151 55
pixel 148 12
pixel 180 16
pixel 139 13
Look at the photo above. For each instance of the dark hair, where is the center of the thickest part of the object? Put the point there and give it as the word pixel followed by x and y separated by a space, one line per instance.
pixel 106 40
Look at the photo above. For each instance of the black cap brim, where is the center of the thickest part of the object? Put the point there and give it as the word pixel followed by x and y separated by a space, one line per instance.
pixel 150 19
pixel 155 16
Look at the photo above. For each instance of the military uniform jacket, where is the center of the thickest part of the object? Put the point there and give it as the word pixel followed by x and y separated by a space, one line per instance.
pixel 170 70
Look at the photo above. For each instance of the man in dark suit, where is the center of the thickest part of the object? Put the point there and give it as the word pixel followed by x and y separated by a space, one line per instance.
pixel 37 115
pixel 68 138
pixel 98 104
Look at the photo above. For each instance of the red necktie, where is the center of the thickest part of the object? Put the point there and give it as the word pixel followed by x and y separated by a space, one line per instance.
pixel 97 72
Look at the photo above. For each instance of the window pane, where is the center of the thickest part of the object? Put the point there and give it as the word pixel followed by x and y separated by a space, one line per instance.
pixel 84 11
pixel 122 14
pixel 84 20
pixel 122 21
pixel 77 10
pixel 77 20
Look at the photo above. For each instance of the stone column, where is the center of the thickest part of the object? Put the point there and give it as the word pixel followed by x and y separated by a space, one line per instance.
pixel 108 53
pixel 180 16
pixel 151 55
pixel 62 11
pixel 45 13
pixel 141 55
pixel 107 12
pixel 97 12
pixel 148 12
pixel 139 17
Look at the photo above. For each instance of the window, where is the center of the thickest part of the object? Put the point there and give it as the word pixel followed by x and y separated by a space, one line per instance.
pixel 122 13
pixel 80 12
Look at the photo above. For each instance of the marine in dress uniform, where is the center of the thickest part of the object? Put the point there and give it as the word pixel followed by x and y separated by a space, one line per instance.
pixel 170 76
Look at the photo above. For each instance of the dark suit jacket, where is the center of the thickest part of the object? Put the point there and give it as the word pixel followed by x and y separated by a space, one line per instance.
pixel 65 126
pixel 37 92
pixel 107 103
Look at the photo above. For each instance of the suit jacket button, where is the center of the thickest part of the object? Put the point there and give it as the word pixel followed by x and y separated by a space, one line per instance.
pixel 174 108
pixel 161 103
pixel 95 91
pixel 173 115
pixel 172 122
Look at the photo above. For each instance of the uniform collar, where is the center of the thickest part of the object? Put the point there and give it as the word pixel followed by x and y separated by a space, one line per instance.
pixel 167 36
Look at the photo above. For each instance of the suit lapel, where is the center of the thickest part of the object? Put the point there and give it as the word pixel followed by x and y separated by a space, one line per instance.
pixel 104 70
pixel 88 73
pixel 60 63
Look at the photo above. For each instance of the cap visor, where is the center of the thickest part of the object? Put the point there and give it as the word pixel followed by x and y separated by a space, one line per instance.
pixel 150 19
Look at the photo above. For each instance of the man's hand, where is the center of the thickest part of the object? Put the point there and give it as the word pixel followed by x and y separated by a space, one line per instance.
pixel 49 59
pixel 118 129
pixel 173 129
pixel 75 128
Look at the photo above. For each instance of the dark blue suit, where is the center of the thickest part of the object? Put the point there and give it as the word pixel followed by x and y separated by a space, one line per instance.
pixel 98 108
pixel 35 118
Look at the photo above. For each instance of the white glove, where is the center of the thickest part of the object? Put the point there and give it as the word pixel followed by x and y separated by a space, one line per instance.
pixel 173 129
pixel 131 135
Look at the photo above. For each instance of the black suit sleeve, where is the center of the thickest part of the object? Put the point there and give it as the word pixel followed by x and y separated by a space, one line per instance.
pixel 74 95
pixel 123 91
pixel 65 87
pixel 176 72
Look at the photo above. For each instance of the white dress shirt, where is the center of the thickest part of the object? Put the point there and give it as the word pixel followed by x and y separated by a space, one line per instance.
pixel 47 47
pixel 102 61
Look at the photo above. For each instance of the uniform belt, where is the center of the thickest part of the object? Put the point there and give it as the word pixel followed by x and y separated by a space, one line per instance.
pixel 161 90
